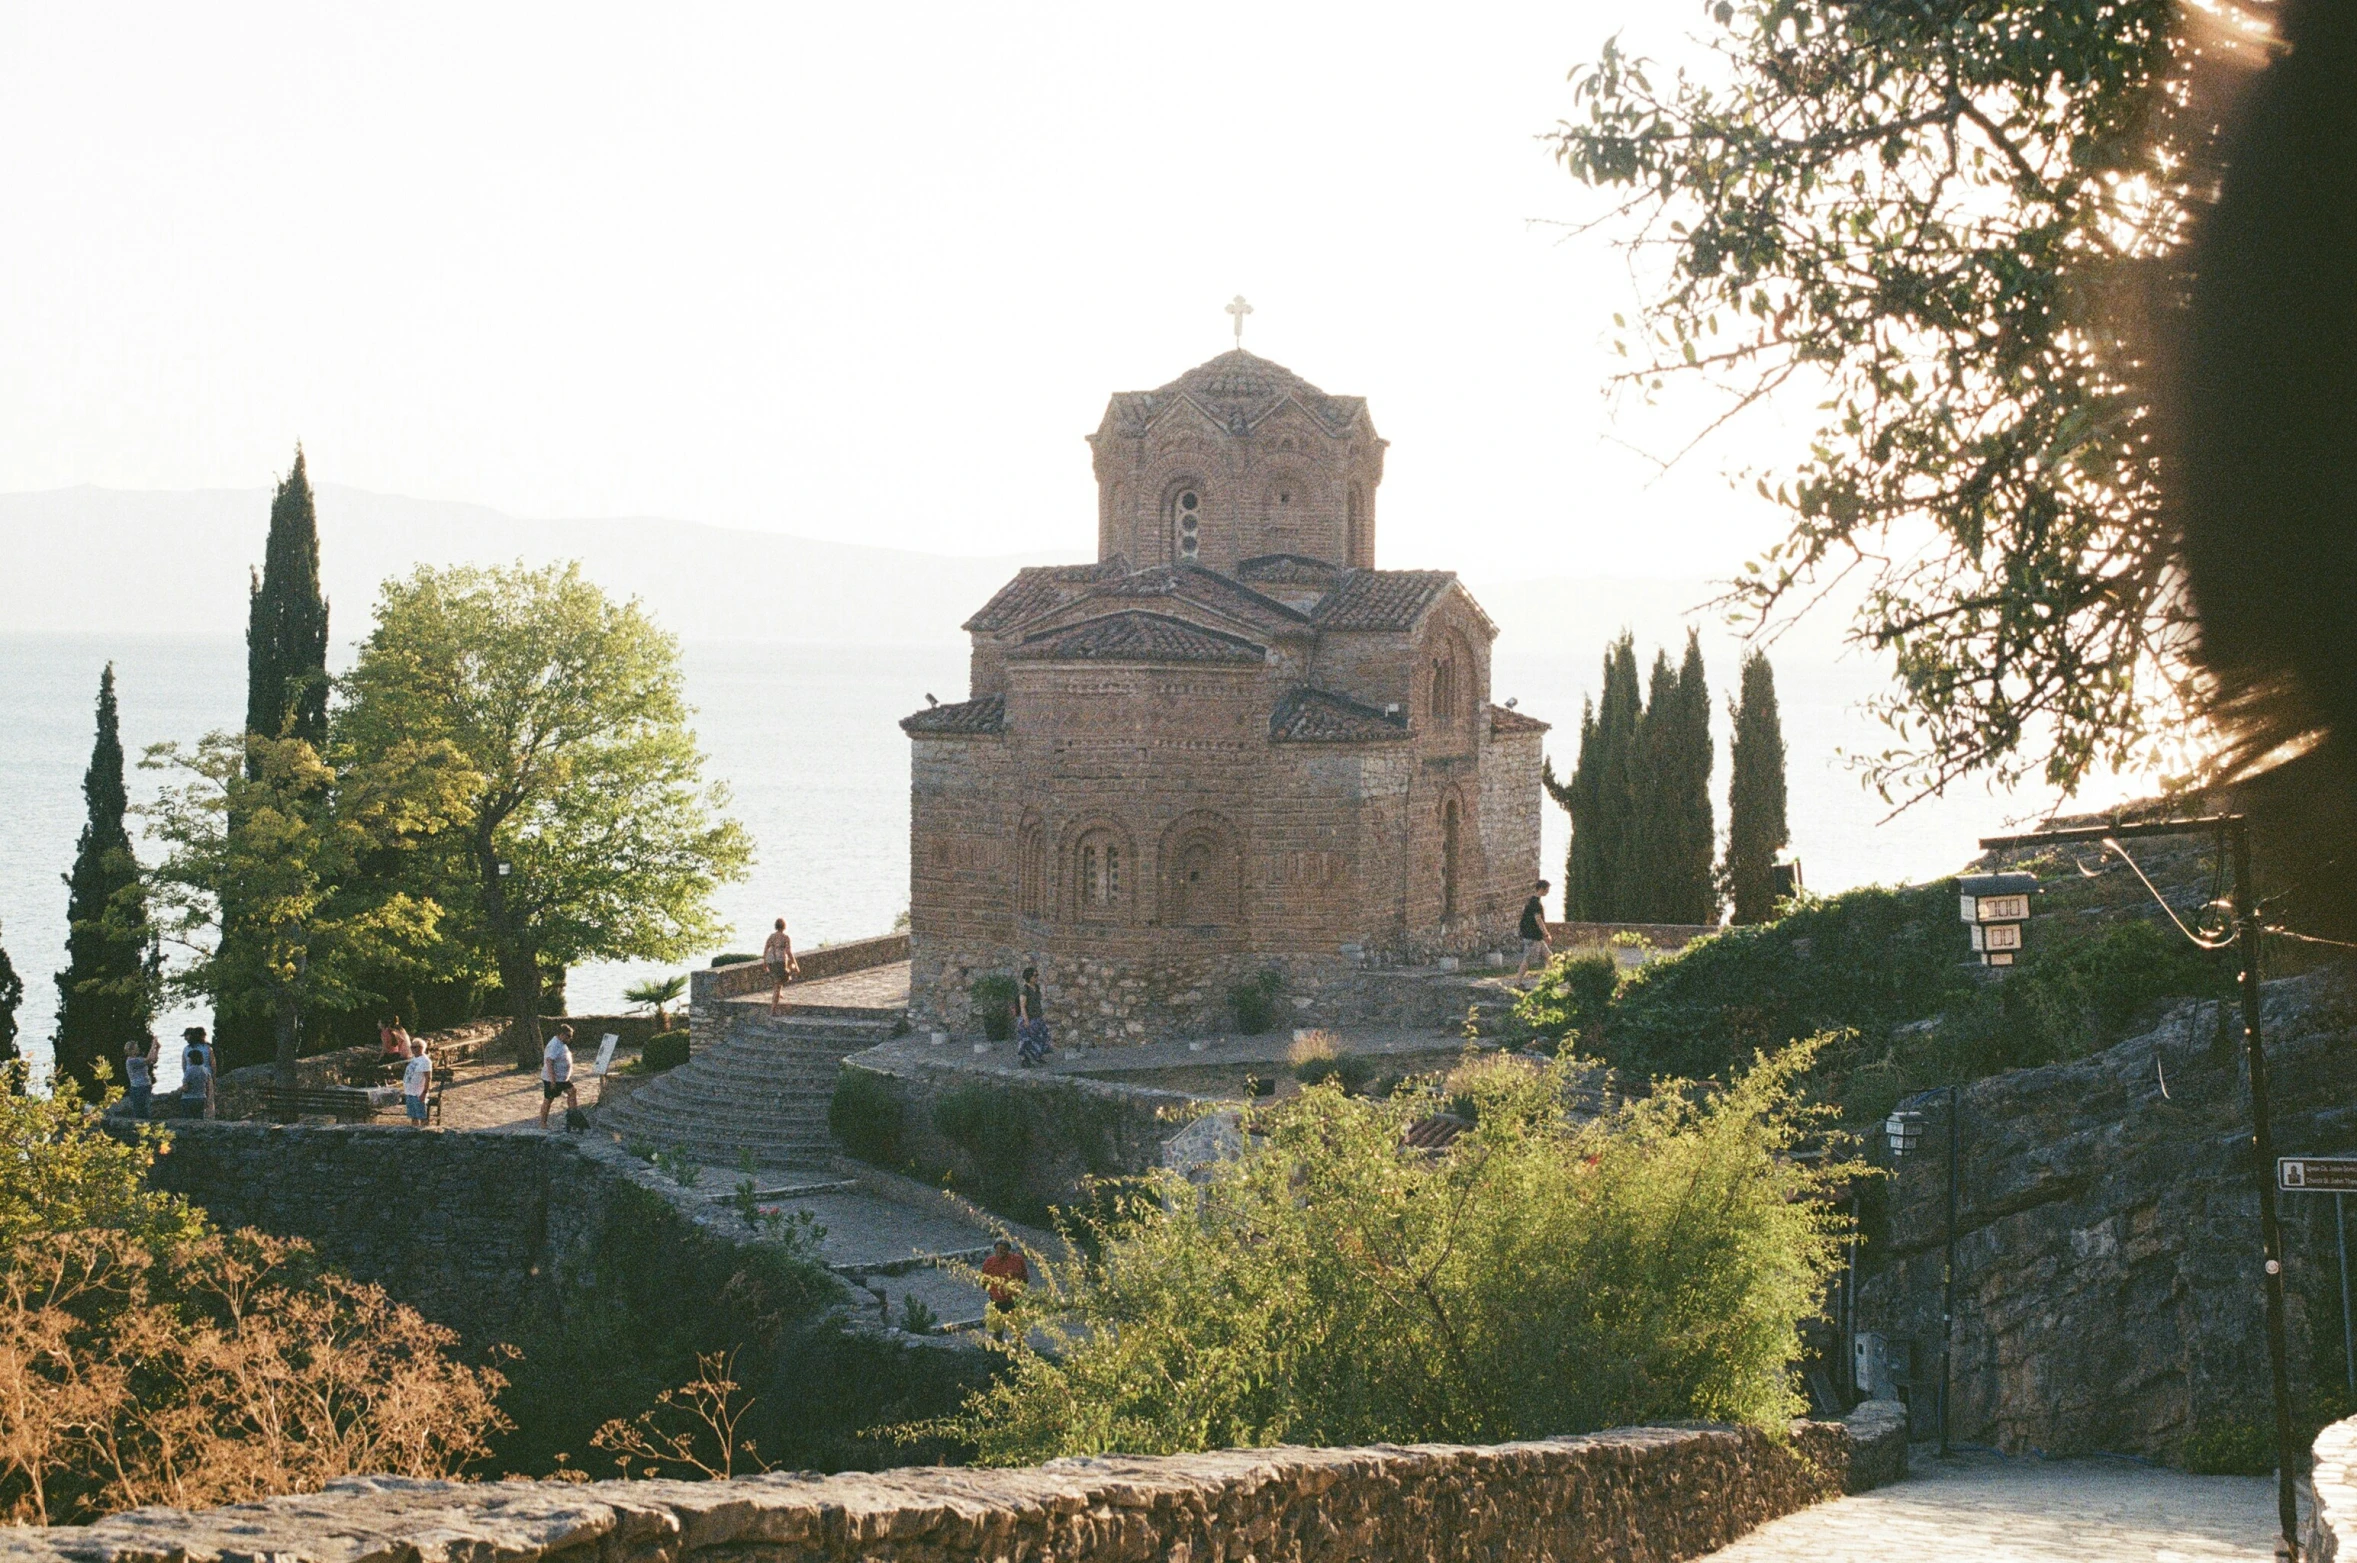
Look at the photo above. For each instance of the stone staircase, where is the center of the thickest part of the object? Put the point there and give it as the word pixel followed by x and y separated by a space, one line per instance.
pixel 763 1088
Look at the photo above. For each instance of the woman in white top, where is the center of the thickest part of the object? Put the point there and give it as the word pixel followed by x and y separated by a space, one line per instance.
pixel 777 953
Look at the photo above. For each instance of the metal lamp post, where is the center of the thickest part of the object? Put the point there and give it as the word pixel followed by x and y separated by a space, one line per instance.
pixel 1904 1131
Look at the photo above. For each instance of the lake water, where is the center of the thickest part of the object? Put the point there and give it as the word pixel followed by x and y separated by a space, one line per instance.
pixel 805 737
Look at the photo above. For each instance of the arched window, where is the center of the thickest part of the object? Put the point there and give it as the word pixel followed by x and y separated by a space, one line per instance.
pixel 1355 540
pixel 1031 869
pixel 1097 876
pixel 1445 709
pixel 1200 880
pixel 1452 830
pixel 1186 522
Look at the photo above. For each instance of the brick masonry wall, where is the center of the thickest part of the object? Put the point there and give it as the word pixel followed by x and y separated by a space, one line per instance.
pixel 1638 1495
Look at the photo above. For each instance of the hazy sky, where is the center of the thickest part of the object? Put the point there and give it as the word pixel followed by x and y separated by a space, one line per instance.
pixel 856 272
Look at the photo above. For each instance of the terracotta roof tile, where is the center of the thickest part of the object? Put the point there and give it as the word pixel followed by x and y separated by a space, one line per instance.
pixel 988 714
pixel 1503 721
pixel 1038 588
pixel 1381 599
pixel 1238 389
pixel 1196 584
pixel 1318 716
pixel 1136 636
pixel 1290 570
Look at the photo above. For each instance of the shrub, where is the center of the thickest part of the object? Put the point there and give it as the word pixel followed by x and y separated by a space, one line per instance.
pixel 990 1125
pixel 664 1050
pixel 2230 1448
pixel 146 1358
pixel 1254 1001
pixel 732 959
pixel 864 1116
pixel 993 1002
pixel 1350 1071
pixel 1571 996
pixel 1329 1287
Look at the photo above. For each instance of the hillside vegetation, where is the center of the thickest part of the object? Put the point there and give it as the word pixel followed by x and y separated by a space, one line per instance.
pixel 1890 973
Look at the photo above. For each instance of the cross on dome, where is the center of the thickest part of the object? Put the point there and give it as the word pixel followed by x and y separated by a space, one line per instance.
pixel 1238 308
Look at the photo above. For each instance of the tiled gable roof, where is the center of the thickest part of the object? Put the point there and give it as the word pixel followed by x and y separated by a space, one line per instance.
pixel 987 714
pixel 1238 390
pixel 1137 636
pixel 1289 570
pixel 1038 588
pixel 1503 722
pixel 1381 599
pixel 1194 583
pixel 1318 716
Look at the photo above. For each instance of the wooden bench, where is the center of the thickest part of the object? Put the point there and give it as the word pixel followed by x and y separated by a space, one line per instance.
pixel 342 1103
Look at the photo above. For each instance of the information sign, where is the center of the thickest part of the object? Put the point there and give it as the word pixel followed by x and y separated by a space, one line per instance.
pixel 2317 1174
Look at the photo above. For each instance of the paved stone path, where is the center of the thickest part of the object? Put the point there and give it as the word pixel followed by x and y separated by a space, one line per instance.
pixel 1988 1507
pixel 876 987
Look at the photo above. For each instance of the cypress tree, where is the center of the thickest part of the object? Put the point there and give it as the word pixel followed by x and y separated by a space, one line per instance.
pixel 12 993
pixel 106 994
pixel 1689 884
pixel 286 623
pixel 1601 797
pixel 1756 829
pixel 286 689
pixel 1649 851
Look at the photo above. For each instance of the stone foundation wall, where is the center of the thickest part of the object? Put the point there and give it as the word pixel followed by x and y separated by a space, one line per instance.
pixel 1118 1002
pixel 1070 1130
pixel 1642 1495
pixel 2108 1263
pixel 2328 1531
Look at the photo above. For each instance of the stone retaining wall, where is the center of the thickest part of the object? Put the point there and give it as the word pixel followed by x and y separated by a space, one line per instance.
pixel 712 987
pixel 1122 1002
pixel 2107 1259
pixel 1070 1129
pixel 1641 1495
pixel 2329 1529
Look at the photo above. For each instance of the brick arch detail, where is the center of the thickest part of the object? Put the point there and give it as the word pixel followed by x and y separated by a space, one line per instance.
pixel 1208 843
pixel 1074 901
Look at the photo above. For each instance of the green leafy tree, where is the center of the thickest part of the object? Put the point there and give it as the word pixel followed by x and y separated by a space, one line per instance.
pixel 1756 830
pixel 263 871
pixel 1649 849
pixel 1690 878
pixel 106 994
pixel 1600 796
pixel 1922 217
pixel 1331 1285
pixel 591 834
pixel 12 994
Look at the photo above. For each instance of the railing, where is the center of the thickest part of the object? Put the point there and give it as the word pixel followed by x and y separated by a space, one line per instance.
pixel 715 984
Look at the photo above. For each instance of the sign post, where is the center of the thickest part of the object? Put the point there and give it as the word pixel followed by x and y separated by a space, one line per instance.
pixel 2337 1176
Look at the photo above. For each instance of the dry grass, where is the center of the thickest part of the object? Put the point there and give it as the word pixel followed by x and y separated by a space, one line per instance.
pixel 1311 1046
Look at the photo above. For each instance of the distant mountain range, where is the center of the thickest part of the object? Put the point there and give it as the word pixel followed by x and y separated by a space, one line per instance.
pixel 118 561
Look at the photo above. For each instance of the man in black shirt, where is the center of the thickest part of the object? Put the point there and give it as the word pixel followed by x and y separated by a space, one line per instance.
pixel 1534 933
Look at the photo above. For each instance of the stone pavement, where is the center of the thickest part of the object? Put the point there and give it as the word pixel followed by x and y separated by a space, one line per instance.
pixel 875 987
pixel 1985 1506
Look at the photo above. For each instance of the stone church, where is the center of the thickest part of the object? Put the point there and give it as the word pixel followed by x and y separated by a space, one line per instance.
pixel 1231 747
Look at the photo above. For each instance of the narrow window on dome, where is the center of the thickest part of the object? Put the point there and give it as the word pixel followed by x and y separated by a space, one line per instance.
pixel 1186 510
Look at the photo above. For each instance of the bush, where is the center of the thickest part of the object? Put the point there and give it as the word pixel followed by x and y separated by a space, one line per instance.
pixel 664 1050
pixel 864 1116
pixel 719 961
pixel 1572 995
pixel 993 1003
pixel 1350 1071
pixel 990 1125
pixel 2231 1448
pixel 147 1358
pixel 1654 1265
pixel 1254 1001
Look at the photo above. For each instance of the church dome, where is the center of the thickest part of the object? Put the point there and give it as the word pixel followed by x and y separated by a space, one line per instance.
pixel 1239 389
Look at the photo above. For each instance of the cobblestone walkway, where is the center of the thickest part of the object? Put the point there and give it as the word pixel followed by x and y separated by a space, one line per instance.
pixel 877 987
pixel 1989 1507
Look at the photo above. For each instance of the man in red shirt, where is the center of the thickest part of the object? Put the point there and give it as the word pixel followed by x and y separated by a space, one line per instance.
pixel 1005 1275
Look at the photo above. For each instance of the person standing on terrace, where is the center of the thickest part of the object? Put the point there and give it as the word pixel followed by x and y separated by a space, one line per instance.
pixel 777 953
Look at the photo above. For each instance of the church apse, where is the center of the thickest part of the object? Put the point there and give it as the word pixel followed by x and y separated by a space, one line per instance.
pixel 1230 744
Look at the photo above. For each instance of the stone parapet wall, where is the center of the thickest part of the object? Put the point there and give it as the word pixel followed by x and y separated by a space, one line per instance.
pixel 1641 1495
pixel 1120 1002
pixel 709 988
pixel 2328 1530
